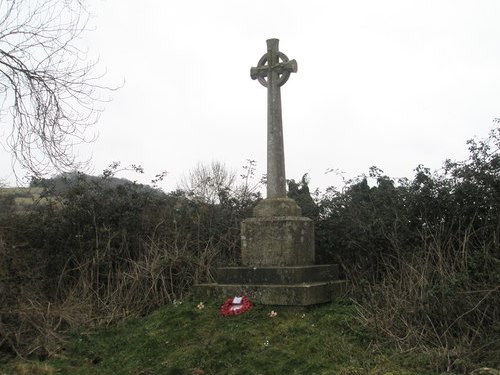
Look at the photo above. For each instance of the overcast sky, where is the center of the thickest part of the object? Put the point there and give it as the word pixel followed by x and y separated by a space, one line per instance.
pixel 387 83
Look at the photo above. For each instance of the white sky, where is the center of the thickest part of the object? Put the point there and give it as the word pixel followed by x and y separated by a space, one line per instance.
pixel 387 83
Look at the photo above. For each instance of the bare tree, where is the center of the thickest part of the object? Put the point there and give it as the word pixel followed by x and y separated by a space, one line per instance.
pixel 48 89
pixel 211 183
pixel 208 182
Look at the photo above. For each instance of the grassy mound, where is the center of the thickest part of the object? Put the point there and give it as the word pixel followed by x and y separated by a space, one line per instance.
pixel 182 338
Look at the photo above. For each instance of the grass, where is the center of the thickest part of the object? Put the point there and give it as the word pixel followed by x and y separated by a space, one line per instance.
pixel 182 339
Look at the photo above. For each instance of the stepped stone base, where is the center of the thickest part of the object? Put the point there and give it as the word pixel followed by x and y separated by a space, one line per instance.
pixel 290 294
pixel 291 285
pixel 277 253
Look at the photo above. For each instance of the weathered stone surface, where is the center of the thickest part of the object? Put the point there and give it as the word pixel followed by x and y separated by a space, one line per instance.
pixel 288 294
pixel 277 244
pixel 277 73
pixel 277 241
pixel 277 275
pixel 272 207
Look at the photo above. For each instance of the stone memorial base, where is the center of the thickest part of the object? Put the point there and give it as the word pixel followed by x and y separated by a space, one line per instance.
pixel 298 285
pixel 277 254
pixel 277 241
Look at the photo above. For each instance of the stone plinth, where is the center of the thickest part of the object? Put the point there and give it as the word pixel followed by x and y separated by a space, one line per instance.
pixel 277 275
pixel 302 294
pixel 277 255
pixel 277 241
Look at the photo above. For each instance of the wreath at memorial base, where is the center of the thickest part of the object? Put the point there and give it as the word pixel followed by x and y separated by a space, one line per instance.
pixel 229 307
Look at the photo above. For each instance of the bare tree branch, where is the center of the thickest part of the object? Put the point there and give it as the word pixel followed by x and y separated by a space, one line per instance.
pixel 49 90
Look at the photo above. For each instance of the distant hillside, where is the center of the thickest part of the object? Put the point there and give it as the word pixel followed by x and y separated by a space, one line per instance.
pixel 61 183
pixel 42 191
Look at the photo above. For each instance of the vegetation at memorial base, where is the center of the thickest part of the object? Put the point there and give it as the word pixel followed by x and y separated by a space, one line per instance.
pixel 184 339
pixel 422 256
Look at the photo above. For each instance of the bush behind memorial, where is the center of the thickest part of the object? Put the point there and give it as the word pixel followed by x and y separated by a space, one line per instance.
pixel 422 254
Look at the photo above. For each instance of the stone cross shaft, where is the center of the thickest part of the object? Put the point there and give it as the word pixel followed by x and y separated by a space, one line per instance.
pixel 276 67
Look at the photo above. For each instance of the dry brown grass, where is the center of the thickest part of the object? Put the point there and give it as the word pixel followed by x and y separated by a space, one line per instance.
pixel 27 368
pixel 431 300
pixel 104 292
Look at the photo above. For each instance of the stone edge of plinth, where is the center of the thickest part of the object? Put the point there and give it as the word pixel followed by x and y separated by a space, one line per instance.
pixel 312 266
pixel 286 295
pixel 263 275
pixel 276 218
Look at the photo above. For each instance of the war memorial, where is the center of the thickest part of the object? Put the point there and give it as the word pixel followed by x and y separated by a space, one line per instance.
pixel 277 242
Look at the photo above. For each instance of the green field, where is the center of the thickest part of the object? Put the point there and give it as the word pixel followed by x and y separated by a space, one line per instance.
pixel 22 197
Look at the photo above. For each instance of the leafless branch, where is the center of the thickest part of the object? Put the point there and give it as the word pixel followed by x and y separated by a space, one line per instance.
pixel 49 88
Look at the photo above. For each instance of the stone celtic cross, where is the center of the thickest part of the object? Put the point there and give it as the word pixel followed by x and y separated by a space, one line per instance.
pixel 272 71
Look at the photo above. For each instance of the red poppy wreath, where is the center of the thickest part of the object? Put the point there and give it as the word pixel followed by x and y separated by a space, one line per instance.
pixel 235 306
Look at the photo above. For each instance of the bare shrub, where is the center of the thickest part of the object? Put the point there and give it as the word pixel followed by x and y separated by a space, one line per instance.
pixel 32 328
pixel 103 293
pixel 442 298
pixel 163 272
pixel 209 183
